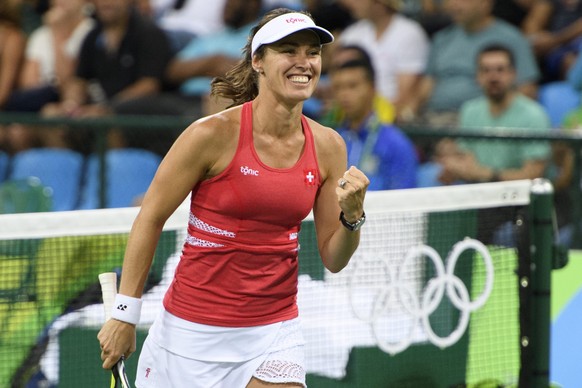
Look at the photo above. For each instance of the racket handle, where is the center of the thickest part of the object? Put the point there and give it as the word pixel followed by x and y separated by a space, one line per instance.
pixel 108 281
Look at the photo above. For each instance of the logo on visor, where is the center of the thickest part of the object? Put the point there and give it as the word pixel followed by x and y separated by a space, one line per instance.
pixel 295 20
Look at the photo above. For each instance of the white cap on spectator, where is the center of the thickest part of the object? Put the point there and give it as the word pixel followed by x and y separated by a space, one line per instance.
pixel 285 25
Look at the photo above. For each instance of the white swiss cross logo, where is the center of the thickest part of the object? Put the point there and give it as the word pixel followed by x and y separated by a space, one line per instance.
pixel 309 177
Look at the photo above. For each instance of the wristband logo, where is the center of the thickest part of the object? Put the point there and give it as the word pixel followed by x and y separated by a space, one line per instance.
pixel 122 307
pixel 395 290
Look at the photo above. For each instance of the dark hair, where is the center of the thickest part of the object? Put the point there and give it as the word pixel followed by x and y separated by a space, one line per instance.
pixel 10 13
pixel 361 53
pixel 355 64
pixel 333 16
pixel 497 47
pixel 240 84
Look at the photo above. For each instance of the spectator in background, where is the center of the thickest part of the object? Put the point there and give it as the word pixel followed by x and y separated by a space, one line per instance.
pixel 378 149
pixel 183 20
pixel 121 66
pixel 397 45
pixel 12 42
pixel 429 13
pixel 209 56
pixel 555 30
pixel 334 114
pixel 334 17
pixel 450 77
pixel 561 172
pixel 122 60
pixel 52 53
pixel 500 106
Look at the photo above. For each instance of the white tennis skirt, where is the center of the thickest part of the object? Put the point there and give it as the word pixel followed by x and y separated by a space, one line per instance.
pixel 281 362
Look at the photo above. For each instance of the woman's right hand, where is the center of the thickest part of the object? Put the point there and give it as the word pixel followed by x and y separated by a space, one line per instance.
pixel 117 339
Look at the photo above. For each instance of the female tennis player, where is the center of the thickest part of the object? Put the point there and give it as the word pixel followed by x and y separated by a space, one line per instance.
pixel 254 171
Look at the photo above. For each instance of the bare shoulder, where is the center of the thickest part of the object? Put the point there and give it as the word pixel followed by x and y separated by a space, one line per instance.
pixel 330 148
pixel 14 34
pixel 211 141
pixel 217 129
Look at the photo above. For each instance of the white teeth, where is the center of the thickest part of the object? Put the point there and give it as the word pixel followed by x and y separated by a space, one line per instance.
pixel 300 79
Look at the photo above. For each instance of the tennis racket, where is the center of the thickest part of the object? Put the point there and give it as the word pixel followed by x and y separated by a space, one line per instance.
pixel 108 281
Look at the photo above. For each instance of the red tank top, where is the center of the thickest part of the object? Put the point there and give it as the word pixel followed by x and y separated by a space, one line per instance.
pixel 239 262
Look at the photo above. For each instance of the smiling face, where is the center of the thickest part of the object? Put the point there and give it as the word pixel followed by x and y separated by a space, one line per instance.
pixel 290 68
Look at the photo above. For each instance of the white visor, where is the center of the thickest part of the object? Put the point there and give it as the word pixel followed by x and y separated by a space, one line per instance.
pixel 285 25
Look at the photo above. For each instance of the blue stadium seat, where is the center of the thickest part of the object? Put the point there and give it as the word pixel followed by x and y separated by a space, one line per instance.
pixel 558 98
pixel 427 174
pixel 4 158
pixel 59 169
pixel 129 174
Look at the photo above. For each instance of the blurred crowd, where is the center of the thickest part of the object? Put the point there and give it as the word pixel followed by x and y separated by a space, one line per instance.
pixel 465 64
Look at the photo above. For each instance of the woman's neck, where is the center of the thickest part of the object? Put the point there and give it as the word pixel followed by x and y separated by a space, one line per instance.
pixel 275 118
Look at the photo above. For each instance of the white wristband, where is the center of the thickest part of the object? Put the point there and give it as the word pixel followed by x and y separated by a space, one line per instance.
pixel 126 309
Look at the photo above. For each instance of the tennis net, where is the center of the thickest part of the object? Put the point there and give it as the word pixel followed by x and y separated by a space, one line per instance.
pixel 440 292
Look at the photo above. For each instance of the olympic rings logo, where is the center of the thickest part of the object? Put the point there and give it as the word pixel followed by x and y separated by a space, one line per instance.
pixel 420 307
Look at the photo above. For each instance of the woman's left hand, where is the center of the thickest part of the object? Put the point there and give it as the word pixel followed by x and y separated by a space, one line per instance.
pixel 351 191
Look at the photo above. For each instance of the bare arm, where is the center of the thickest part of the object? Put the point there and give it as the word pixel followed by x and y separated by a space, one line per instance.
pixel 187 163
pixel 563 158
pixel 407 85
pixel 569 33
pixel 538 17
pixel 73 96
pixel 531 169
pixel 30 75
pixel 529 89
pixel 464 166
pixel 418 98
pixel 545 41
pixel 336 243
pixel 192 158
pixel 10 63
pixel 75 89
pixel 141 88
pixel 179 70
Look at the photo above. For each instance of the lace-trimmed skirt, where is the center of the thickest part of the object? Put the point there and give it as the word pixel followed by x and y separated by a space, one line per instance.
pixel 281 362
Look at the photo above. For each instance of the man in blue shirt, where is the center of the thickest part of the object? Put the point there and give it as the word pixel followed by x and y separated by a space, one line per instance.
pixel 381 150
